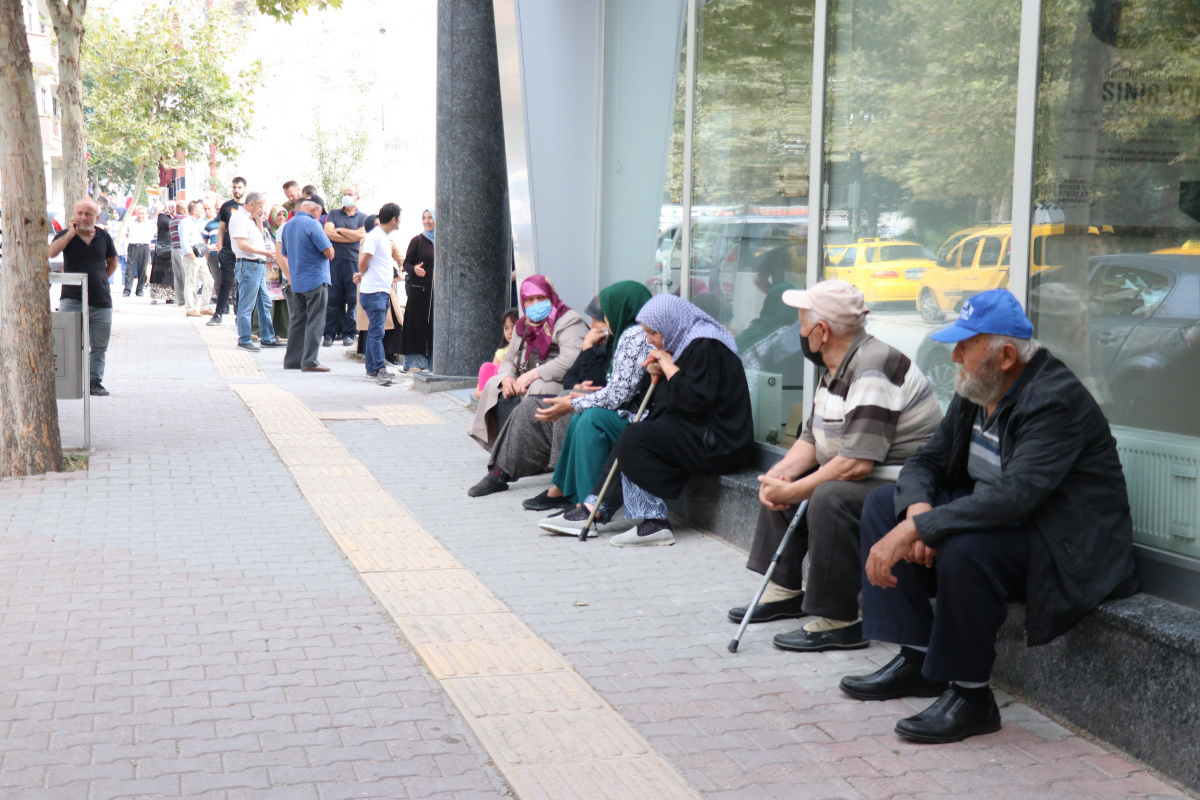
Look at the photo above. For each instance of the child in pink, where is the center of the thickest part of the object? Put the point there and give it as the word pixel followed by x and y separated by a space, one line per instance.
pixel 509 319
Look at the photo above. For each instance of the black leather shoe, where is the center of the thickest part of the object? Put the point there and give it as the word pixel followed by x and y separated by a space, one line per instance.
pixel 899 678
pixel 489 485
pixel 951 718
pixel 544 502
pixel 802 641
pixel 765 612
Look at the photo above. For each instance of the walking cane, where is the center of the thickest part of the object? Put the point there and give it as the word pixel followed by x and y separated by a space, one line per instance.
pixel 787 537
pixel 604 489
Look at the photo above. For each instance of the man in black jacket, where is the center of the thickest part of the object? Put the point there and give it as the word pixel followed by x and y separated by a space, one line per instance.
pixel 1019 496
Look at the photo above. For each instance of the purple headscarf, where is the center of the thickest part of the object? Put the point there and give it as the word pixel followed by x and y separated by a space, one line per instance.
pixel 538 335
pixel 681 323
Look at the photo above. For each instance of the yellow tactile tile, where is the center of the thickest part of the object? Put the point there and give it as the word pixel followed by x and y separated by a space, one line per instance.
pixel 650 778
pixel 566 736
pixel 222 348
pixel 442 629
pixel 405 414
pixel 482 659
pixel 508 695
pixel 549 732
pixel 345 415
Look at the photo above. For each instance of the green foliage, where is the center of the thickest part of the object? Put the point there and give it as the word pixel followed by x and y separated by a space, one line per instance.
pixel 286 10
pixel 160 87
pixel 337 157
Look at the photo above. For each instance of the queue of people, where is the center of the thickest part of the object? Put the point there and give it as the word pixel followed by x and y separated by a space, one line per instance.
pixel 1015 495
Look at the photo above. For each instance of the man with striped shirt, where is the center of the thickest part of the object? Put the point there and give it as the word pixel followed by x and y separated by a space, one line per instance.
pixel 872 409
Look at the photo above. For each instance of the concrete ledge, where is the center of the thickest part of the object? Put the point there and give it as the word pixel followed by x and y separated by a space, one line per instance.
pixel 428 383
pixel 1129 673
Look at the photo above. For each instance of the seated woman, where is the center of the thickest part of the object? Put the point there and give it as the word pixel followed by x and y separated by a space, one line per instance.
pixel 546 342
pixel 597 419
pixel 526 446
pixel 700 423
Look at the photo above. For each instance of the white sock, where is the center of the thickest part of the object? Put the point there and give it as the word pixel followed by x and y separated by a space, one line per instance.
pixel 971 684
pixel 775 593
pixel 825 624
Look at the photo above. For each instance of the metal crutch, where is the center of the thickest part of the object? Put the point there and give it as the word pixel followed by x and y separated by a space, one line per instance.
pixel 604 489
pixel 787 537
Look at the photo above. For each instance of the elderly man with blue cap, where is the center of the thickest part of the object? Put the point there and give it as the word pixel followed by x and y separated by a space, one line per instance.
pixel 1018 497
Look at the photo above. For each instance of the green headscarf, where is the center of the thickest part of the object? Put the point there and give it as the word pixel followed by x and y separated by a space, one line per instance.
pixel 775 314
pixel 621 303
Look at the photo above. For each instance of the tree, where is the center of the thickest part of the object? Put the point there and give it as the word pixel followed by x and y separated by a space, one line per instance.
pixel 286 10
pixel 67 18
pixel 29 437
pixel 337 157
pixel 161 87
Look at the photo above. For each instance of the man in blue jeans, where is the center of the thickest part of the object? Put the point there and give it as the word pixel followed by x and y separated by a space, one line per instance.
pixel 88 249
pixel 376 274
pixel 251 253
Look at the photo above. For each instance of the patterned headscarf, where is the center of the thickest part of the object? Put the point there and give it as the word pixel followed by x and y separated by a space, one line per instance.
pixel 681 323
pixel 538 335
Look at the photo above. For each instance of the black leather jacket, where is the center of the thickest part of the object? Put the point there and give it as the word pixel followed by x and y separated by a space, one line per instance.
pixel 1062 481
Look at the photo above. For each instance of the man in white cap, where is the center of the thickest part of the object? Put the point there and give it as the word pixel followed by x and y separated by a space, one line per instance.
pixel 872 409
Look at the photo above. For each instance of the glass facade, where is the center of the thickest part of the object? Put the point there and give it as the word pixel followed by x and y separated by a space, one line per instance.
pixel 919 167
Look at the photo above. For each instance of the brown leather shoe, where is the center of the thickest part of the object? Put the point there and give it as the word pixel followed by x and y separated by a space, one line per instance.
pixel 314 369
pixel 206 312
pixel 194 314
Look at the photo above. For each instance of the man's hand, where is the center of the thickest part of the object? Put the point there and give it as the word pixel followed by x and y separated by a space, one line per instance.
pixel 356 277
pixel 776 492
pixel 555 408
pixel 419 269
pixel 888 551
pixel 919 553
pixel 508 387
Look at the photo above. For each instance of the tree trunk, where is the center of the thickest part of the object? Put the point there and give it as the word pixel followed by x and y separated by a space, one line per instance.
pixel 137 193
pixel 67 16
pixel 29 437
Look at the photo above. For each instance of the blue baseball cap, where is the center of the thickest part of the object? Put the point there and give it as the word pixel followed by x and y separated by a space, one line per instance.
pixel 995 311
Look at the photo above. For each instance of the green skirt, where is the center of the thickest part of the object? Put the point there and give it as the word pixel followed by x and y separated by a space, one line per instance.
pixel 591 436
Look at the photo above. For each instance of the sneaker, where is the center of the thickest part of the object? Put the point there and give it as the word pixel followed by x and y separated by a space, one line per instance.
pixel 274 343
pixel 216 320
pixel 98 390
pixel 141 294
pixel 571 522
pixel 544 502
pixel 490 484
pixel 251 346
pixel 650 533
pixel 383 378
pixel 347 341
pixel 327 341
pixel 125 293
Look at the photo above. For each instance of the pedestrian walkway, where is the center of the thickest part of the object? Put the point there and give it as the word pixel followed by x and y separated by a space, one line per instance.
pixel 179 621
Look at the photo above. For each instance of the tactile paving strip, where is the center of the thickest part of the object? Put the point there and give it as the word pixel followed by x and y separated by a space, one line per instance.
pixel 549 732
pixel 230 361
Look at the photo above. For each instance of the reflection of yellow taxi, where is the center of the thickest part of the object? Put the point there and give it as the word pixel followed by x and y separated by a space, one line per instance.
pixel 977 262
pixel 886 272
pixel 1189 248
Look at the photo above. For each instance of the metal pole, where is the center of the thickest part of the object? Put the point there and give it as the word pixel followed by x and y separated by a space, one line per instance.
pixel 87 368
pixel 1024 147
pixel 689 123
pixel 816 170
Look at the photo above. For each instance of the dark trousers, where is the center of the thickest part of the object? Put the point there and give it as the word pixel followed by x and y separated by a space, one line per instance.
pixel 214 269
pixel 343 299
pixel 226 260
pixel 306 312
pixel 829 535
pixel 135 266
pixel 974 577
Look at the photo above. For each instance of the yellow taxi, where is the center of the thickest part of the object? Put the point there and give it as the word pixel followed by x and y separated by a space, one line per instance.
pixel 976 260
pixel 885 271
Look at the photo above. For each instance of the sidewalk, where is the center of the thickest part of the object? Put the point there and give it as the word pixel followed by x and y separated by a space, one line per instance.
pixel 178 621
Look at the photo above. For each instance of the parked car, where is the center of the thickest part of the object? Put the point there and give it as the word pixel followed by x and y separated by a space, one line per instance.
pixel 1142 312
pixel 885 271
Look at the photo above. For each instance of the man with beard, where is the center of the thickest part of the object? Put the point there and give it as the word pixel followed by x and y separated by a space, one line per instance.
pixel 1018 497
pixel 225 256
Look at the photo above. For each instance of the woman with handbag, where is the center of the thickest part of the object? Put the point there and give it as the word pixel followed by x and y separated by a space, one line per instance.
pixel 546 342
pixel 162 274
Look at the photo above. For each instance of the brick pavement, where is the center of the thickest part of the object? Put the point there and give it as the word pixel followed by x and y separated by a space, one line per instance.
pixel 176 623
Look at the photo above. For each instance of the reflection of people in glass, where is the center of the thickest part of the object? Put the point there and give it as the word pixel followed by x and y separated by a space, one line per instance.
pixel 781 263
pixel 1019 496
pixel 775 314
pixel 872 407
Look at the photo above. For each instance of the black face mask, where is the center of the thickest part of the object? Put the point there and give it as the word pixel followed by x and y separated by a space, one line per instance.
pixel 812 355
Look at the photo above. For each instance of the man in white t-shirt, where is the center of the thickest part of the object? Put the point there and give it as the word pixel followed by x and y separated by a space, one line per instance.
pixel 251 254
pixel 376 272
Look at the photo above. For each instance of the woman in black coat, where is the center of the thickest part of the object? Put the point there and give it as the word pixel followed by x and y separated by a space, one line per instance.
pixel 162 274
pixel 700 423
pixel 417 338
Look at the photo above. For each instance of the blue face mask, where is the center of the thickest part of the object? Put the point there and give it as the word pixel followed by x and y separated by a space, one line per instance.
pixel 538 311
